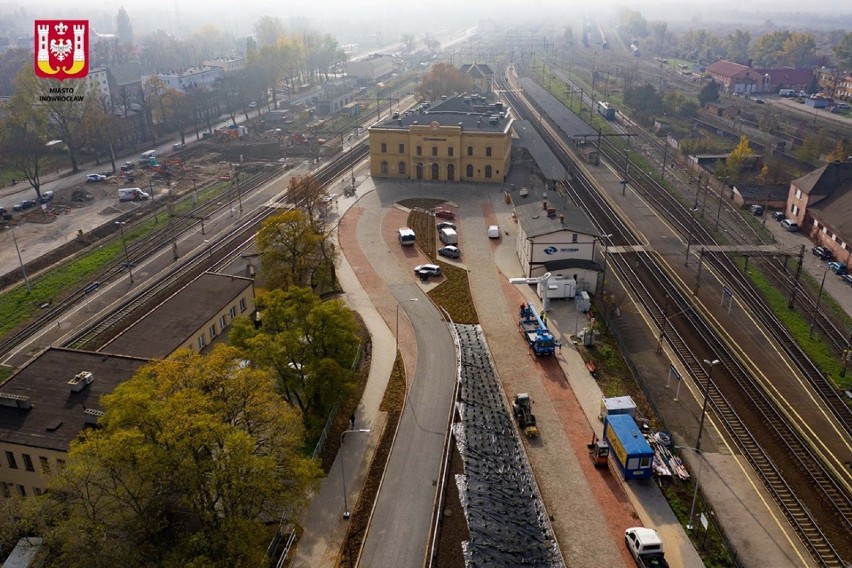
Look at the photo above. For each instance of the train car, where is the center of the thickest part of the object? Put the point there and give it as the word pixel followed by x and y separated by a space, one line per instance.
pixel 606 110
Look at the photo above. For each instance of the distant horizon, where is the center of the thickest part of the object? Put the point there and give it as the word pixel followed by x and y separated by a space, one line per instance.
pixel 374 17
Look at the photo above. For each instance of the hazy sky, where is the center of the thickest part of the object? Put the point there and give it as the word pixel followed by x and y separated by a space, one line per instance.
pixel 358 17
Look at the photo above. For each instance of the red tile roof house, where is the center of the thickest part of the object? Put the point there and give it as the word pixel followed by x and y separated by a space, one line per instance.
pixel 745 80
pixel 820 203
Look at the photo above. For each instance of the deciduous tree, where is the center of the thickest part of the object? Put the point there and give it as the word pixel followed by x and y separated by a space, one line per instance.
pixel 307 343
pixel 843 51
pixel 294 252
pixel 443 79
pixel 738 43
pixel 193 455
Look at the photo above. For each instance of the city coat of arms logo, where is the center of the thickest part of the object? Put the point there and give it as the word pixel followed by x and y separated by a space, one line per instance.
pixel 62 49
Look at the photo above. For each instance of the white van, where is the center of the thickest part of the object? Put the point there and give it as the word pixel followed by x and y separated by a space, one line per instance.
pixel 406 236
pixel 145 157
pixel 132 194
pixel 448 236
pixel 493 232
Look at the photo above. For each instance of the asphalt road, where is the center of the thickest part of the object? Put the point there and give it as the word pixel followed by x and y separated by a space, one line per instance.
pixel 400 524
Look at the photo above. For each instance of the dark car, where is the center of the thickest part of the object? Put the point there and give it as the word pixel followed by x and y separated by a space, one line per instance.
pixel 823 253
pixel 779 215
pixel 45 197
pixel 24 205
pixel 446 225
pixel 757 210
pixel 837 267
pixel 3 211
pixel 449 251
pixel 443 213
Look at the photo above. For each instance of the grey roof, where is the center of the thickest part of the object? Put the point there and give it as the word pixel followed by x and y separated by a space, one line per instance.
pixel 825 180
pixel 452 112
pixel 548 163
pixel 534 221
pixel 834 209
pixel 570 124
pixel 162 331
pixel 476 69
pixel 56 414
pixel 127 73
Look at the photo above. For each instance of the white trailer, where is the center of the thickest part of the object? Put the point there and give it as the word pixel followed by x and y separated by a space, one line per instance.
pixel 557 288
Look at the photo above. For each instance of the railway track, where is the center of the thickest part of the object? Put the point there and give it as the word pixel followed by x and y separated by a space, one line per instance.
pixel 828 495
pixel 143 248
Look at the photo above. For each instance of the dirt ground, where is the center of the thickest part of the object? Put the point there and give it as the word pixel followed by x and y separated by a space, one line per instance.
pixel 86 206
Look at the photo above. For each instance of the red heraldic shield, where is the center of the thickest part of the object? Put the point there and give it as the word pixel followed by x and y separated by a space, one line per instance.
pixel 62 49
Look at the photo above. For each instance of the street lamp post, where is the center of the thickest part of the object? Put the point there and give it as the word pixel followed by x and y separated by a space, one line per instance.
pixel 397 321
pixel 346 513
pixel 721 195
pixel 709 364
pixel 605 251
pixel 689 525
pixel 124 243
pixel 816 308
pixel 21 260
pixel 626 171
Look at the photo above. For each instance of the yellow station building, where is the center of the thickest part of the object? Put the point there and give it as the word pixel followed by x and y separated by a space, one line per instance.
pixel 460 139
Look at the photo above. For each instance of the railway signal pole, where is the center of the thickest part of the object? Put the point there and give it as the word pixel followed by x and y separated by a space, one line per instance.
pixel 796 281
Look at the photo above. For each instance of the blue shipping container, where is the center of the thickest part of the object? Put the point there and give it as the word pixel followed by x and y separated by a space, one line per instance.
pixel 629 447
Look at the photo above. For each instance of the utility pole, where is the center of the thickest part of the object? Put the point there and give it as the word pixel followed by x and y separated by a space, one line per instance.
pixel 698 274
pixel 796 281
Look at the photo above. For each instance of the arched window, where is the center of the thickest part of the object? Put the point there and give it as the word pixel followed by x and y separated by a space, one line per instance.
pixel 384 168
pixel 469 172
pixel 436 172
pixel 451 172
pixel 402 168
pixel 487 172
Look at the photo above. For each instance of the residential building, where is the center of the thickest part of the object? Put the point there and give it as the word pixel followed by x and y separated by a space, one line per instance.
pixel 98 85
pixel 45 405
pixel 190 78
pixel 735 78
pixel 562 241
pixel 335 95
pixel 372 68
pixel 194 318
pixel 820 203
pixel 836 84
pixel 480 74
pixel 228 65
pixel 448 142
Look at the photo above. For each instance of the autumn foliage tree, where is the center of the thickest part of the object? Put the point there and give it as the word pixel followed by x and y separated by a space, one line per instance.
pixel 308 344
pixel 192 456
pixel 443 79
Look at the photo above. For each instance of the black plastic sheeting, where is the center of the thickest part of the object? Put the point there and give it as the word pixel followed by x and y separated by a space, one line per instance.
pixel 505 516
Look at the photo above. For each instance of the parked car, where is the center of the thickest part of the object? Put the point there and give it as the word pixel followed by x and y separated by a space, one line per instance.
pixel 443 213
pixel 778 215
pixel 178 146
pixel 427 270
pixel 253 104
pixel 847 278
pixel 449 251
pixel 3 211
pixel 756 210
pixel 45 197
pixel 446 225
pixel 837 267
pixel 823 253
pixel 24 205
pixel 789 225
pixel 91 178
pixel 759 101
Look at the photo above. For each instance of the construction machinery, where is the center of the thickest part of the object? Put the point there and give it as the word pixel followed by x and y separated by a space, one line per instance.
pixel 522 409
pixel 535 331
pixel 598 451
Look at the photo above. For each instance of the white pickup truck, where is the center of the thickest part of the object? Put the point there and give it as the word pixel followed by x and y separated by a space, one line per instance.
pixel 646 547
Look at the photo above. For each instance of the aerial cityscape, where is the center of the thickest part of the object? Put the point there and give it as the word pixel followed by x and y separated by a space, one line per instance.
pixel 479 285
